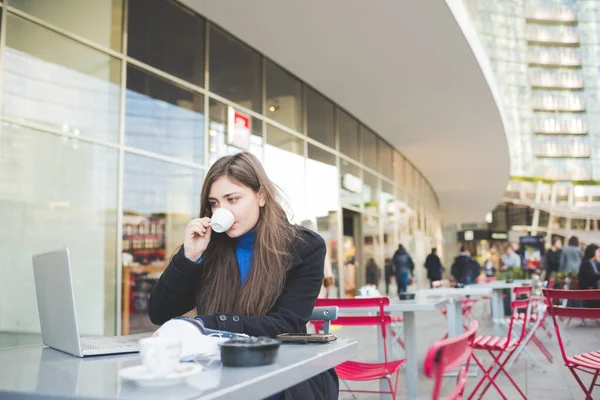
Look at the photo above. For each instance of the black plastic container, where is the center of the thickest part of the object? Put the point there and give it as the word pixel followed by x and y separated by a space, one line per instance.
pixel 249 352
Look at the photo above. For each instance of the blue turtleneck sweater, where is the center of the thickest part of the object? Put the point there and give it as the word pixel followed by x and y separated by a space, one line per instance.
pixel 244 250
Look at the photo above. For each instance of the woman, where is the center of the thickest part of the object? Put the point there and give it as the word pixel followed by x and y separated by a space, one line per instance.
pixel 373 273
pixel 589 274
pixel 261 277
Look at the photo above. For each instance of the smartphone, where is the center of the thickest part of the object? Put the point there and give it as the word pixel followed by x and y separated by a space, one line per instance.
pixel 306 338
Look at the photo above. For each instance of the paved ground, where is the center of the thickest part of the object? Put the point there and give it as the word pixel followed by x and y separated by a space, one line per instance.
pixel 556 384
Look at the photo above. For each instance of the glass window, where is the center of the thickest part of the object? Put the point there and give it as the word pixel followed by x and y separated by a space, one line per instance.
pixel 371 252
pixel 99 21
pixel 218 141
pixel 320 118
pixel 283 140
pixel 322 201
pixel 371 192
pixel 159 199
pixel 348 131
pixel 284 96
pixel 167 36
pixel 368 142
pixel 351 184
pixel 398 169
pixel 57 82
pixel 163 118
pixel 235 70
pixel 384 158
pixel 283 149
pixel 56 192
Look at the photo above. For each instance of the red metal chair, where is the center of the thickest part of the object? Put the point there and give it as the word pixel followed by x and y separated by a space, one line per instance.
pixel 447 355
pixel 502 348
pixel 588 363
pixel 361 371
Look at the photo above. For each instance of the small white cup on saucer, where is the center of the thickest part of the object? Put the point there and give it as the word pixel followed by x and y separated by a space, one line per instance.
pixel 221 220
pixel 160 355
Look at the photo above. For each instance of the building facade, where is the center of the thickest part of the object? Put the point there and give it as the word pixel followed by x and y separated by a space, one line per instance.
pixel 111 113
pixel 545 55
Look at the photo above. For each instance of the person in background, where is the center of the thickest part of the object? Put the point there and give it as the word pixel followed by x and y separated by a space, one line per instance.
pixel 510 259
pixel 261 277
pixel 350 272
pixel 434 267
pixel 489 268
pixel 461 268
pixel 389 273
pixel 373 273
pixel 553 258
pixel 404 266
pixel 589 273
pixel 570 256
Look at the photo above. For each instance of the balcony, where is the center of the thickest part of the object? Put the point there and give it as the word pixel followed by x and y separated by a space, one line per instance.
pixel 550 80
pixel 567 149
pixel 555 126
pixel 558 103
pixel 560 14
pixel 563 174
pixel 546 35
pixel 563 58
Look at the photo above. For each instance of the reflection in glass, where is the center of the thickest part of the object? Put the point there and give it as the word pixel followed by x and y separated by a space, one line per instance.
pixel 348 131
pixel 159 199
pixel 351 184
pixel 57 82
pixel 284 96
pixel 320 118
pixel 167 36
pixel 321 209
pixel 284 163
pixel 217 146
pixel 398 169
pixel 368 141
pixel 57 192
pixel 163 118
pixel 235 70
pixel 100 21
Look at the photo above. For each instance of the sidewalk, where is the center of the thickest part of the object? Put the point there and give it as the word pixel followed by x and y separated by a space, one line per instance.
pixel 556 384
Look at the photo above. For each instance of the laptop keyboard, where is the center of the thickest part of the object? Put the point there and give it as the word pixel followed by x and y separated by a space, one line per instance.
pixel 101 343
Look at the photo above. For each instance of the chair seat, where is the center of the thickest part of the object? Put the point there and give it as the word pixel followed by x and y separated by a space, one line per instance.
pixel 586 360
pixel 494 343
pixel 359 371
pixel 397 320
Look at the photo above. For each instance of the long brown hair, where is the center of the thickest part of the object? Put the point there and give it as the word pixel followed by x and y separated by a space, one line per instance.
pixel 220 289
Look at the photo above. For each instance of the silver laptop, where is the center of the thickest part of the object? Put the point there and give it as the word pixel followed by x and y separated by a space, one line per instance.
pixel 56 307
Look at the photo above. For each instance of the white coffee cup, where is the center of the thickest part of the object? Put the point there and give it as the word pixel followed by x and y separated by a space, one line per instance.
pixel 221 220
pixel 160 355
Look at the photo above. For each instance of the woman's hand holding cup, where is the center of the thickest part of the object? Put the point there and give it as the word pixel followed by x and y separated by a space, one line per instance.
pixel 198 232
pixel 197 237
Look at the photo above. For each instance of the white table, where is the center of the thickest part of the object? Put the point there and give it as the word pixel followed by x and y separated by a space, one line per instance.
pixel 41 372
pixel 408 308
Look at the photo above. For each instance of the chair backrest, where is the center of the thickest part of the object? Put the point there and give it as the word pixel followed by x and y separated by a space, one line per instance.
pixel 570 312
pixel 446 355
pixel 325 314
pixel 516 306
pixel 380 320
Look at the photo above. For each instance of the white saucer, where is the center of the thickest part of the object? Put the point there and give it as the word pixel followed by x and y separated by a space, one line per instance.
pixel 142 377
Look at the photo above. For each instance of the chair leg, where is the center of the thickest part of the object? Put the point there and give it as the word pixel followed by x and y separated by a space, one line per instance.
pixel 349 389
pixel 502 369
pixel 588 393
pixel 486 375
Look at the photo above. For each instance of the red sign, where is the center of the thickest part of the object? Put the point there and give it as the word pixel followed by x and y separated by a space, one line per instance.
pixel 238 129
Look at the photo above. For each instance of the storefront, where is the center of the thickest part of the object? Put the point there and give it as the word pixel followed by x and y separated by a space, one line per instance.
pixel 109 122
